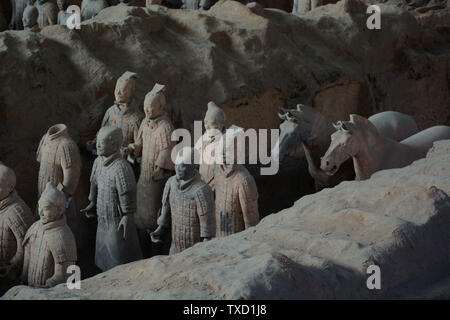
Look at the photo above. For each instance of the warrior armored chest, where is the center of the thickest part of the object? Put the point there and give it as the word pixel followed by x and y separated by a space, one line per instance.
pixel 155 138
pixel 229 217
pixel 128 122
pixel 107 196
pixel 41 264
pixel 185 220
pixel 50 168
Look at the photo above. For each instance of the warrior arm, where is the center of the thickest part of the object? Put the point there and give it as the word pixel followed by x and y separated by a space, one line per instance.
pixel 70 181
pixel 60 275
pixel 19 256
pixel 94 187
pixel 26 262
pixel 126 188
pixel 248 198
pixel 38 153
pixel 106 117
pixel 206 210
pixel 164 159
pixel 165 219
pixel 71 166
pixel 137 145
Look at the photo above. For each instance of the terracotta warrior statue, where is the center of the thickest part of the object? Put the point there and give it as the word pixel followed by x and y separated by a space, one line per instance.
pixel 113 193
pixel 154 144
pixel 215 127
pixel 48 13
pixel 15 219
pixel 190 4
pixel 187 206
pixel 62 14
pixel 236 192
pixel 49 244
pixel 30 17
pixel 90 8
pixel 18 6
pixel 60 163
pixel 123 113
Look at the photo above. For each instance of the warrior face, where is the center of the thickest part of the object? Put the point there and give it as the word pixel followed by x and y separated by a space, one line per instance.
pixel 153 106
pixel 51 204
pixel 124 90
pixel 214 118
pixel 184 163
pixel 7 181
pixel 109 140
pixel 62 5
pixel 47 211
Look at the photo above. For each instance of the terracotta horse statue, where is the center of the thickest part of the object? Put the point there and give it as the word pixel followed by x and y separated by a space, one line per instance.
pixel 371 152
pixel 307 128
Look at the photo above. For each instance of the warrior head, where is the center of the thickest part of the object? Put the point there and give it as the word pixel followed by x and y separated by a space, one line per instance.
pixel 185 163
pixel 30 15
pixel 7 181
pixel 51 204
pixel 62 5
pixel 125 87
pixel 155 101
pixel 214 118
pixel 109 140
pixel 232 146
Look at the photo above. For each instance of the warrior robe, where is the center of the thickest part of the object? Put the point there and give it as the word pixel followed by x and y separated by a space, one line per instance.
pixel 46 245
pixel 126 118
pixel 155 145
pixel 206 147
pixel 48 14
pixel 15 219
pixel 236 199
pixel 60 163
pixel 113 188
pixel 189 211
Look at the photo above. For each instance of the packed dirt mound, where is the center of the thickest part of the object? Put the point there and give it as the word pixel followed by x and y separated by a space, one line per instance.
pixel 318 249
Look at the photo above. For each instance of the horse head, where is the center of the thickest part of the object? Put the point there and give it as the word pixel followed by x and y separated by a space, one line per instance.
pixel 295 128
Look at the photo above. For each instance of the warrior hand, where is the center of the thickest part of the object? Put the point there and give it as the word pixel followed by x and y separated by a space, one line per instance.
pixel 87 209
pixel 123 223
pixel 158 174
pixel 128 150
pixel 155 236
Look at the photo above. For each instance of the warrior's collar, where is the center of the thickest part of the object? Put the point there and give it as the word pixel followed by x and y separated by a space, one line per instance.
pixel 183 185
pixel 228 169
pixel 53 224
pixel 124 107
pixel 110 159
pixel 8 200
pixel 57 131
pixel 153 122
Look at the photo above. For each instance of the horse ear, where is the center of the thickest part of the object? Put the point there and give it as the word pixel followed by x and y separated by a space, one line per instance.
pixel 355 118
pixel 345 126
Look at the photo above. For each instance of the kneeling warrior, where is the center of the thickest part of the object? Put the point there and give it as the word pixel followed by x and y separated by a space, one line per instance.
pixel 236 192
pixel 15 219
pixel 113 192
pixel 49 244
pixel 188 206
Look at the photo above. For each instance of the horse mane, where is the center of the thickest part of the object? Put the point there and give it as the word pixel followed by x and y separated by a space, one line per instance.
pixel 357 119
pixel 366 128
